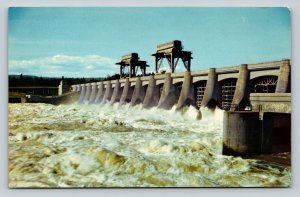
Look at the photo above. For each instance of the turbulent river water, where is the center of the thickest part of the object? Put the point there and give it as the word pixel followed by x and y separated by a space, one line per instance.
pixel 121 146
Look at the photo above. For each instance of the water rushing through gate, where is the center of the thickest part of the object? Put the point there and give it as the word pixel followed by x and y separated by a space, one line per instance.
pixel 120 146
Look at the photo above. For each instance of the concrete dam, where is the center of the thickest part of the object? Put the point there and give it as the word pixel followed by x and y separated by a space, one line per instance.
pixel 256 97
pixel 229 87
pixel 251 93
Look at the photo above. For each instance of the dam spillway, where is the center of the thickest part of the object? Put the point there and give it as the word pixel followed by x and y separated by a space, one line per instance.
pixel 121 135
pixel 239 90
pixel 227 88
pixel 84 145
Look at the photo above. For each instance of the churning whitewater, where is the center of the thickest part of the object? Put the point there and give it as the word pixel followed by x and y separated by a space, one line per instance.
pixel 121 146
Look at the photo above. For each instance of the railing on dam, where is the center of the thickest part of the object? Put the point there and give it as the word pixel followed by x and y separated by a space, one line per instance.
pixel 228 88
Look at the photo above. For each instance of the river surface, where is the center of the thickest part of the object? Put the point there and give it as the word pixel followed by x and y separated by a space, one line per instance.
pixel 121 146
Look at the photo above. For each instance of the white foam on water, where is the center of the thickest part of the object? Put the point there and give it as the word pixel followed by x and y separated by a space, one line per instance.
pixel 192 113
pixel 117 145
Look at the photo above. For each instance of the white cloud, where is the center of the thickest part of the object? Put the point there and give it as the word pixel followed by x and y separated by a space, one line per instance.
pixel 65 65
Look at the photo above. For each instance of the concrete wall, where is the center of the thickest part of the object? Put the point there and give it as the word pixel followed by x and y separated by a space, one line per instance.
pixel 244 133
pixel 63 87
pixel 169 93
pixel 116 96
pixel 276 133
pixel 145 90
pixel 284 77
pixel 93 93
pixel 100 93
pixel 241 133
pixel 271 102
pixel 242 87
pixel 152 94
pixel 82 93
pixel 210 95
pixel 78 88
pixel 138 93
pixel 108 92
pixel 127 92
pixel 87 92
pixel 186 97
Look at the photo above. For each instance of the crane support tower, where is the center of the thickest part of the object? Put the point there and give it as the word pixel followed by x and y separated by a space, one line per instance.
pixel 130 64
pixel 172 51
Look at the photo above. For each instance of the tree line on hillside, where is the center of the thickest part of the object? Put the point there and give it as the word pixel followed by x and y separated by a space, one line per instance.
pixel 30 81
pixel 27 81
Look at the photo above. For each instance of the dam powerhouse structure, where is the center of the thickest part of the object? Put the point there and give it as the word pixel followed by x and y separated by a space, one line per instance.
pixel 256 97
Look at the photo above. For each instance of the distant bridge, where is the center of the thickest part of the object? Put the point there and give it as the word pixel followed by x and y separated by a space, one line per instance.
pixel 41 90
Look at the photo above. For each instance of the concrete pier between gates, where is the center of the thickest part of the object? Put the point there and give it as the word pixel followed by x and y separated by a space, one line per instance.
pixel 284 77
pixel 210 93
pixel 87 92
pixel 241 90
pixel 100 93
pixel 77 88
pixel 82 93
pixel 127 93
pixel 108 92
pixel 186 97
pixel 93 93
pixel 116 93
pixel 138 93
pixel 152 94
pixel 168 96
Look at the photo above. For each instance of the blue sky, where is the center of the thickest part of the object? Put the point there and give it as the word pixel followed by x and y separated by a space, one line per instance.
pixel 86 42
